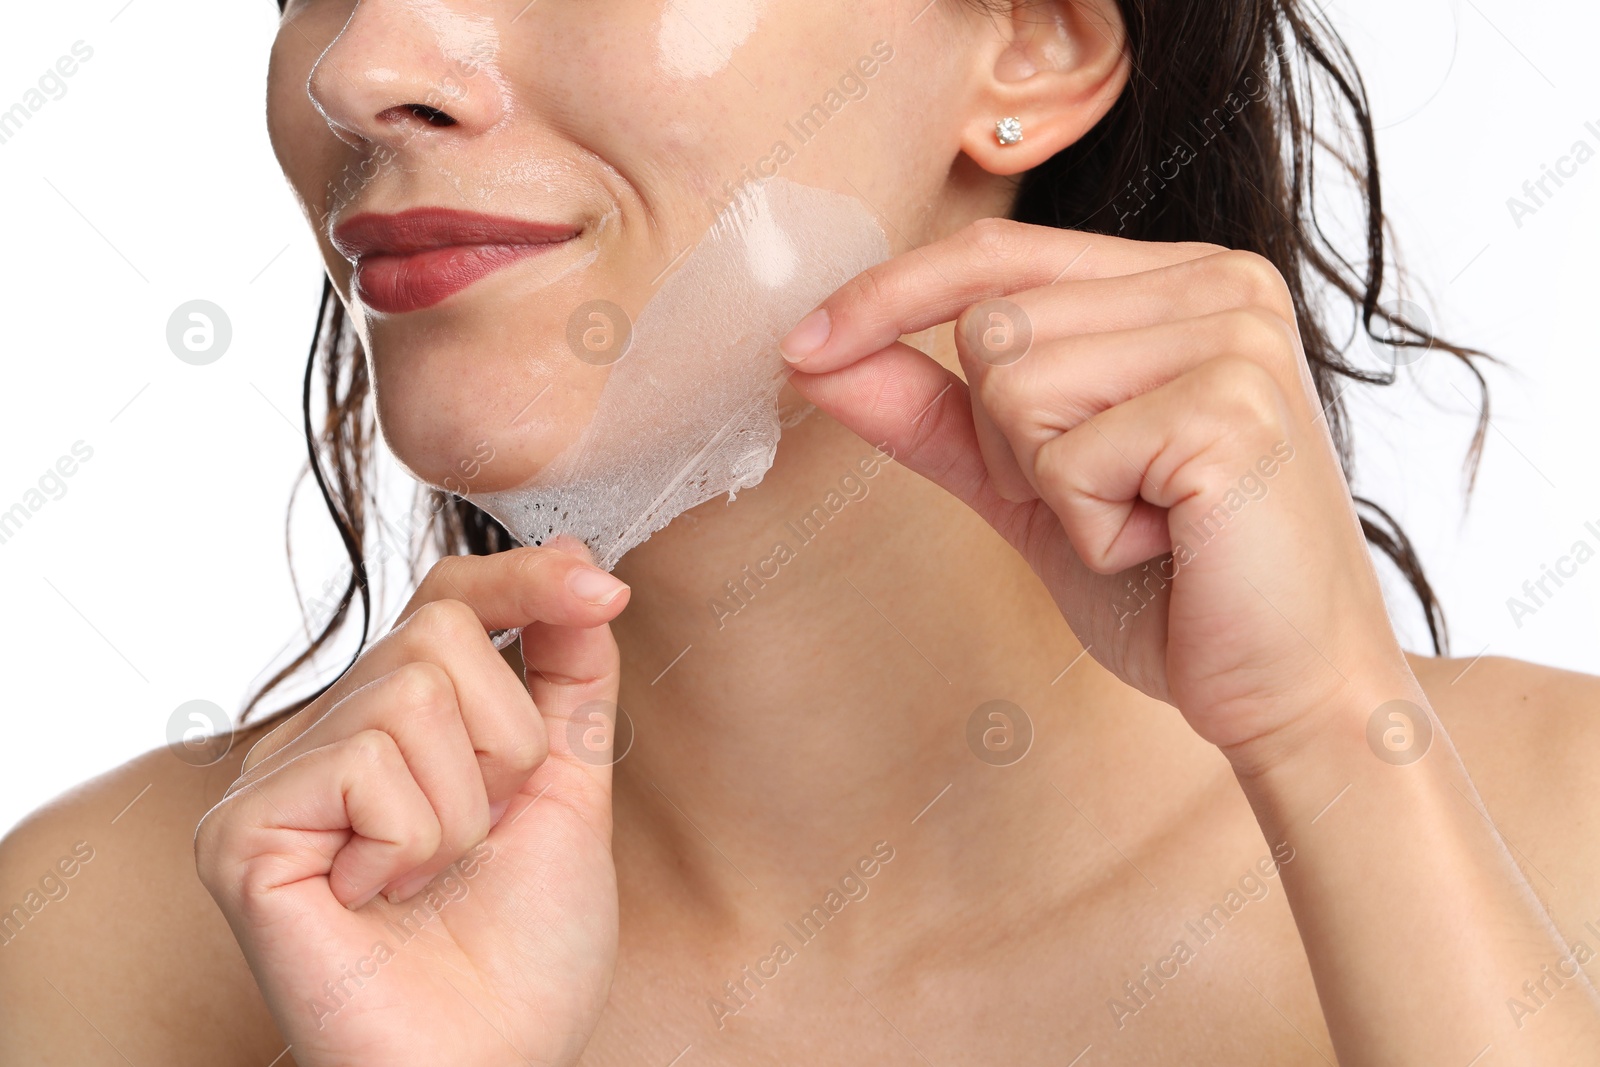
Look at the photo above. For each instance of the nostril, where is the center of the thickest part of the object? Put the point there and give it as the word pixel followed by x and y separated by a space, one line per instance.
pixel 431 115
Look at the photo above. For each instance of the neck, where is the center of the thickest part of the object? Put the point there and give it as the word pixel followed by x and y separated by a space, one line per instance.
pixel 802 670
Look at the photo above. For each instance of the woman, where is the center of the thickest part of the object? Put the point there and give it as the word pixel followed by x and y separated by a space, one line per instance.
pixel 920 794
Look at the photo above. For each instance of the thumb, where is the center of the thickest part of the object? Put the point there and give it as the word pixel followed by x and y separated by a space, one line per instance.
pixel 573 674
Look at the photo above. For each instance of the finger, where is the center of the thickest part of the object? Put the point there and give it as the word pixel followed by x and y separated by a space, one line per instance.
pixel 446 622
pixel 1118 480
pixel 1192 288
pixel 1005 473
pixel 996 333
pixel 1059 384
pixel 343 819
pixel 523 585
pixel 495 707
pixel 562 602
pixel 935 283
pixel 417 706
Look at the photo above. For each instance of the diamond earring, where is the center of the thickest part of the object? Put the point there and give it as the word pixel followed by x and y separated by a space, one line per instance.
pixel 1008 130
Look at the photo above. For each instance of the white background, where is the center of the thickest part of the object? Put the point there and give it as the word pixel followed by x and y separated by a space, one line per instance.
pixel 160 576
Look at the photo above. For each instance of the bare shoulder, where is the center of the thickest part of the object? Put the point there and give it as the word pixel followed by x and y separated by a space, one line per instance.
pixel 1530 737
pixel 111 950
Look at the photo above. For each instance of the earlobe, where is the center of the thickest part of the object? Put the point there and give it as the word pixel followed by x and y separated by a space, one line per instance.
pixel 1058 68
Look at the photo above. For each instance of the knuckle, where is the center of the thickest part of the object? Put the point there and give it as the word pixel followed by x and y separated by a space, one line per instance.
pixel 1254 278
pixel 996 240
pixel 1058 464
pixel 443 576
pixel 1058 470
pixel 371 749
pixel 1247 391
pixel 257 754
pixel 525 752
pixel 444 624
pixel 425 689
pixel 422 842
pixel 869 289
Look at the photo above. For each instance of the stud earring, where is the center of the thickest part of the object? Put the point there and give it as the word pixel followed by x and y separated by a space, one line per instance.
pixel 1008 130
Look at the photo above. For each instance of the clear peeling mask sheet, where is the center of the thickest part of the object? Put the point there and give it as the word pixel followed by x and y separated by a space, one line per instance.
pixel 689 410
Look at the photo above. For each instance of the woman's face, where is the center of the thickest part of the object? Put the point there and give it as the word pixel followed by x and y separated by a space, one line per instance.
pixel 599 138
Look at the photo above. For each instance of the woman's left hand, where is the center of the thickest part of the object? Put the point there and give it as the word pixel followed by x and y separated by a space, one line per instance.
pixel 1162 406
pixel 1139 422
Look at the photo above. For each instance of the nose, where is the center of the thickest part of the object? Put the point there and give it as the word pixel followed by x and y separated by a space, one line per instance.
pixel 404 69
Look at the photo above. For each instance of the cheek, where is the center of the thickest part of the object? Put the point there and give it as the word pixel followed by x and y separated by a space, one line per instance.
pixel 689 97
pixel 610 96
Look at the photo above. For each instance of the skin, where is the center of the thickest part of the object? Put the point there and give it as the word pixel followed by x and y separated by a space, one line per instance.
pixel 1223 723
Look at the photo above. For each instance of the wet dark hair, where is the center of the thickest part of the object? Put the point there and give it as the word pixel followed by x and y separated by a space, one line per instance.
pixel 1232 109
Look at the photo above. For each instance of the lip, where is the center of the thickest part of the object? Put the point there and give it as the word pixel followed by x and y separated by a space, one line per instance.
pixel 414 259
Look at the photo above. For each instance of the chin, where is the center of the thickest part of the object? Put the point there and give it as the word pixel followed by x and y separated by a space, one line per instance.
pixel 471 419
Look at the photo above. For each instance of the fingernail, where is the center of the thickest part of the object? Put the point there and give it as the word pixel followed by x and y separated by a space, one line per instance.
pixel 808 336
pixel 595 586
pixel 403 891
pixel 357 905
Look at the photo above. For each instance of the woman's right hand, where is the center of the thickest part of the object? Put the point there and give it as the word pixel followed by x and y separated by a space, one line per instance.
pixel 429 751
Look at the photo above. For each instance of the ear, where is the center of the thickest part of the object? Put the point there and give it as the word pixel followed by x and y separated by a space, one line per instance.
pixel 1056 66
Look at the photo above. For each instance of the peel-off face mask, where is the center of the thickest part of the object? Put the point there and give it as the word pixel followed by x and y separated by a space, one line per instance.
pixel 690 409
